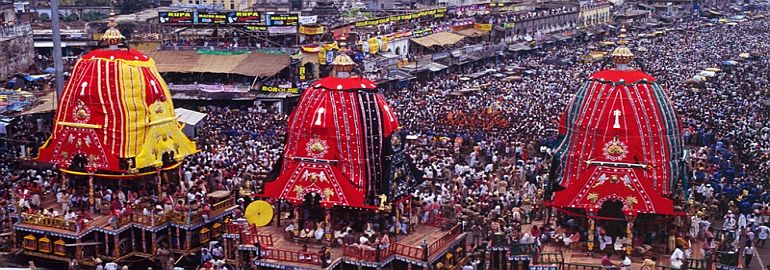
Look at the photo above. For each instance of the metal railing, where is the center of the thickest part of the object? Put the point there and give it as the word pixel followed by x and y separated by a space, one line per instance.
pixel 290 256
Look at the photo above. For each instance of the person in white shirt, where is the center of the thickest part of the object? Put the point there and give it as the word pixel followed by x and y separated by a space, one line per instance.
pixel 677 258
pixel 748 253
pixel 111 266
pixel 626 263
pixel 763 232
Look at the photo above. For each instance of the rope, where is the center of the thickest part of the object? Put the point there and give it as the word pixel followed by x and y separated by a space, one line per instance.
pixel 113 176
pixel 575 214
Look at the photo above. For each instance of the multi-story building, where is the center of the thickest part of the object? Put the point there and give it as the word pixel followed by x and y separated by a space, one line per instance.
pixel 592 13
pixel 16 48
pixel 544 21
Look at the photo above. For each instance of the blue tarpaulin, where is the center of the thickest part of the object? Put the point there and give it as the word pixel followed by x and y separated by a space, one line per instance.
pixel 49 70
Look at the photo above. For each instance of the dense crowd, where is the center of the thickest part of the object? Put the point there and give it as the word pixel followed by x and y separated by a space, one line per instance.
pixel 483 144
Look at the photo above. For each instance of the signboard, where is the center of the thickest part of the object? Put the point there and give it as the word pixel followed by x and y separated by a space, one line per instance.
pixel 302 74
pixel 282 20
pixel 278 89
pixel 176 17
pixel 486 27
pixel 308 19
pixel 422 32
pixel 204 17
pixel 431 13
pixel 244 17
pixel 311 30
pixel 211 18
pixel 257 28
pixel 342 32
pixel 282 29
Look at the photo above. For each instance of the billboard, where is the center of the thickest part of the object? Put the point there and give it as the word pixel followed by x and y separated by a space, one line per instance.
pixel 282 19
pixel 205 17
pixel 244 17
pixel 176 17
pixel 211 18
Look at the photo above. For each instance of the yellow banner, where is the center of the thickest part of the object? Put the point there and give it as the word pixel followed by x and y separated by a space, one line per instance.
pixel 374 45
pixel 311 30
pixel 486 27
pixel 436 13
pixel 275 89
pixel 384 46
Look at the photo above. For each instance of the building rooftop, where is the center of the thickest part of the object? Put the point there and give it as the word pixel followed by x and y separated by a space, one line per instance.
pixel 141 16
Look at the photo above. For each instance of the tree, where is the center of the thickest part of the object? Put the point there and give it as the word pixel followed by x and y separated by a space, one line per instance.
pixel 131 6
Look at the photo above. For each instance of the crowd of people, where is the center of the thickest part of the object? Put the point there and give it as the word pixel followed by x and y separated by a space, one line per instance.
pixel 485 153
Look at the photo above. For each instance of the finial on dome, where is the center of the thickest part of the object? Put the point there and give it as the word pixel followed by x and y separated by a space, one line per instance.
pixel 112 36
pixel 622 55
pixel 343 65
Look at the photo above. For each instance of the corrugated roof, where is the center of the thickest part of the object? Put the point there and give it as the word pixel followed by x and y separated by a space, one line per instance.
pixel 252 64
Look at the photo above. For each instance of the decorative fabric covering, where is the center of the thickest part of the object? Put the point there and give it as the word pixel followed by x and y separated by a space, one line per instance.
pixel 438 39
pixel 619 139
pixel 252 64
pixel 339 144
pixel 116 113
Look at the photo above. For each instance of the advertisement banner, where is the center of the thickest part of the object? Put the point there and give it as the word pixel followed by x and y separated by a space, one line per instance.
pixel 278 89
pixel 302 73
pixel 176 17
pixel 486 27
pixel 312 30
pixel 256 28
pixel 211 18
pixel 422 32
pixel 433 13
pixel 244 17
pixel 342 32
pixel 282 29
pixel 282 20
pixel 374 45
pixel 384 43
pixel 308 19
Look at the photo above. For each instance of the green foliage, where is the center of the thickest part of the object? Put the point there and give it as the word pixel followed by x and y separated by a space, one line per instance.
pixel 93 16
pixel 126 28
pixel 131 6
pixel 44 18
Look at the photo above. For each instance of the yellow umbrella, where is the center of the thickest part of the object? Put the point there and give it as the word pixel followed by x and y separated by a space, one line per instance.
pixel 259 213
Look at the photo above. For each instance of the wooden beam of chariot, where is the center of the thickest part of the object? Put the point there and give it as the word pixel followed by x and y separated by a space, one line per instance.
pixel 316 160
pixel 83 244
pixel 617 164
